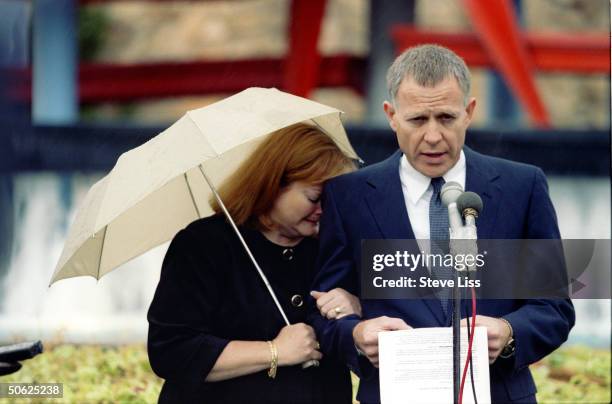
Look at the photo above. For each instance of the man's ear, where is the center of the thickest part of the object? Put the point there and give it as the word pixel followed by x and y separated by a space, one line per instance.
pixel 469 109
pixel 390 113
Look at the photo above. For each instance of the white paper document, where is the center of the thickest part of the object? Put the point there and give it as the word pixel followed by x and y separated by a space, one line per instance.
pixel 416 366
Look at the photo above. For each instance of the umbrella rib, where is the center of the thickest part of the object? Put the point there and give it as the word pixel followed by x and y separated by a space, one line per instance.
pixel 246 247
pixel 101 251
pixel 195 205
pixel 346 152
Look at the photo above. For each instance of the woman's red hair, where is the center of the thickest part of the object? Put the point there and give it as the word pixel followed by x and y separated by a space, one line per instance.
pixel 296 153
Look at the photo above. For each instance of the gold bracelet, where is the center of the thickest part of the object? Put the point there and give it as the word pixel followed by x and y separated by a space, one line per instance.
pixel 273 361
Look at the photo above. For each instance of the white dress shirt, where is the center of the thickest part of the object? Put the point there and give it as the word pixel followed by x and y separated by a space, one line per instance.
pixel 417 191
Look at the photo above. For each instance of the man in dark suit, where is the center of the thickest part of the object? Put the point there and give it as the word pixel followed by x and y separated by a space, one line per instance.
pixel 429 111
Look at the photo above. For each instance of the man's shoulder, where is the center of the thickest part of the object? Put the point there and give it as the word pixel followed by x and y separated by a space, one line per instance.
pixel 365 174
pixel 504 167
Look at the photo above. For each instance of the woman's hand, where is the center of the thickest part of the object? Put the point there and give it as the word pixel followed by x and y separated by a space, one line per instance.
pixel 337 303
pixel 295 344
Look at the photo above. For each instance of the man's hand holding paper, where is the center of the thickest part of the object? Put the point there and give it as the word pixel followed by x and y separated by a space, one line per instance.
pixel 418 364
pixel 365 334
pixel 498 334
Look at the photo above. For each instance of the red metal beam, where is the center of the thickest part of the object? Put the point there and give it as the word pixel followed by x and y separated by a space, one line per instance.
pixel 549 52
pixel 100 83
pixel 565 52
pixel 301 68
pixel 497 27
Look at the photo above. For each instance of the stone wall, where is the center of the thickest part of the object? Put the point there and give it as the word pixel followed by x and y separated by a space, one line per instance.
pixel 143 31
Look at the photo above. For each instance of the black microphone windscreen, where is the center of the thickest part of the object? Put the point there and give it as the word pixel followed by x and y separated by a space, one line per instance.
pixel 469 200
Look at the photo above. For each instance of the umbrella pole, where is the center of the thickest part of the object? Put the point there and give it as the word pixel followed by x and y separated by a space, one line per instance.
pixel 248 250
pixel 246 247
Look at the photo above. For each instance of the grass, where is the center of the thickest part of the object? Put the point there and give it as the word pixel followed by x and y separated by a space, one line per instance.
pixel 121 374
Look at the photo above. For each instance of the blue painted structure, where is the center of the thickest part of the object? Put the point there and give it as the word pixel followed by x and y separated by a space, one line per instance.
pixel 55 62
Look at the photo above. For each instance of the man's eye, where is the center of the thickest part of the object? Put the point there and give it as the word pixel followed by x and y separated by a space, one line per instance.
pixel 418 119
pixel 447 118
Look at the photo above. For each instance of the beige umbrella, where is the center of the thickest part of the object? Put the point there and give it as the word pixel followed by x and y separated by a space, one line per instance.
pixel 158 188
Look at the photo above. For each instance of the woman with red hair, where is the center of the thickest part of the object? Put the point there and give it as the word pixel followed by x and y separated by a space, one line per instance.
pixel 214 332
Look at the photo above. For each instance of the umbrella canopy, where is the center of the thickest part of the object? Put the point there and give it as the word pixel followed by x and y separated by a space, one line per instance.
pixel 158 188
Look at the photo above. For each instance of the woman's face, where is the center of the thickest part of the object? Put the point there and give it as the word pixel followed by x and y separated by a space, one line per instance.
pixel 297 210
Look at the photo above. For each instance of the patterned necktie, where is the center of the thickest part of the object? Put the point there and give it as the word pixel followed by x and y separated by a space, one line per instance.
pixel 439 241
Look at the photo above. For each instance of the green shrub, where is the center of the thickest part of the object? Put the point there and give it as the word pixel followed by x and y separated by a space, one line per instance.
pixel 103 374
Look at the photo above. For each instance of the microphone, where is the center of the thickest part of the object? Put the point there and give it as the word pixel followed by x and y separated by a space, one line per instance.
pixel 450 192
pixel 462 241
pixel 470 206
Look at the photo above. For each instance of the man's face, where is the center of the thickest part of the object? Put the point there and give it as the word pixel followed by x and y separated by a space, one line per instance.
pixel 430 124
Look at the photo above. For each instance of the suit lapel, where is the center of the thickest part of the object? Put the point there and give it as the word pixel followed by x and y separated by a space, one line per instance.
pixel 386 202
pixel 481 178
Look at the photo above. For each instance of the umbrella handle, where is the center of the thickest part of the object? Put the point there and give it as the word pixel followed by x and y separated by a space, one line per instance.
pixel 310 363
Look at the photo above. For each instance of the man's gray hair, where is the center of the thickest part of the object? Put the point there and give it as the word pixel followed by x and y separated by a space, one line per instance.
pixel 428 65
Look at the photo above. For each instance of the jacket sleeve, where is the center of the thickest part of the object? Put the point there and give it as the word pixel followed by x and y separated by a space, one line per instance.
pixel 541 325
pixel 335 268
pixel 181 345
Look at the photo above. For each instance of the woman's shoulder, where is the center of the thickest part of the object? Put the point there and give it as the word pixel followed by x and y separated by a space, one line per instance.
pixel 213 226
pixel 210 231
pixel 206 225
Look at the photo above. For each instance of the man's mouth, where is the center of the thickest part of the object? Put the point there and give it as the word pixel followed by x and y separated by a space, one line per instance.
pixel 433 156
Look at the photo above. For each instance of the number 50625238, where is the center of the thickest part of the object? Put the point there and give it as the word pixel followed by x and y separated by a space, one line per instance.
pixel 29 390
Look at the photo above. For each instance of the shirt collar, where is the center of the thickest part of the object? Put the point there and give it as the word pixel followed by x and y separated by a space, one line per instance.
pixel 417 184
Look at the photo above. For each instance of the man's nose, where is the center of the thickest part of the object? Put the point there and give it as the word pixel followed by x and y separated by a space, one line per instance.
pixel 432 132
pixel 318 209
